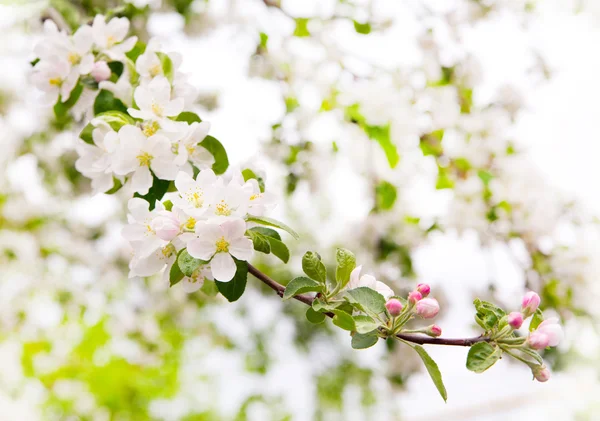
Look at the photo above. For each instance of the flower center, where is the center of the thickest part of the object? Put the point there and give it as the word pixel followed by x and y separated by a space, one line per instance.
pixel 222 209
pixel 222 245
pixel 74 58
pixel 256 196
pixel 145 159
pixel 150 128
pixel 190 149
pixel 110 41
pixel 196 198
pixel 155 70
pixel 55 81
pixel 168 251
pixel 190 223
pixel 157 109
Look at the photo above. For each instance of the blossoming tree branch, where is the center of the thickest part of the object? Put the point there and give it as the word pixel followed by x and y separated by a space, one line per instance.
pixel 200 223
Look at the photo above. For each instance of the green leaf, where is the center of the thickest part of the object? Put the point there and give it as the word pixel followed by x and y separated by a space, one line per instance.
pixel 167 65
pixel 189 117
pixel 218 152
pixel 86 134
pixel 482 356
pixel 263 40
pixel 485 176
pixel 260 242
pixel 267 231
pixel 301 27
pixel 188 264
pixel 175 274
pixel 343 320
pixel 249 174
pixel 314 316
pixel 117 184
pixel 106 101
pixel 301 285
pixel 538 317
pixel 381 134
pixel 488 314
pixel 156 192
pixel 235 288
pixel 136 51
pixel 444 181
pixel 313 267
pixel 61 108
pixel 346 262
pixel 363 341
pixel 365 324
pixel 115 119
pixel 366 299
pixel 277 247
pixel 385 195
pixel 270 222
pixel 433 370
pixel 209 288
pixel 116 67
pixel 362 28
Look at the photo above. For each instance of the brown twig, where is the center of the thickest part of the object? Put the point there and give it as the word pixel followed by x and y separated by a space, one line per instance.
pixel 416 339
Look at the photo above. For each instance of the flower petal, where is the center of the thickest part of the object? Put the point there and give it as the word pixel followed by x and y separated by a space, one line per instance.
pixel 223 267
pixel 241 248
pixel 201 249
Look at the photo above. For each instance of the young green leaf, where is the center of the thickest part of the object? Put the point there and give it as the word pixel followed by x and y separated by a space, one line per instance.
pixel 167 65
pixel 313 267
pixel 538 317
pixel 218 152
pixel 175 274
pixel 366 299
pixel 235 288
pixel 301 285
pixel 314 316
pixel 365 324
pixel 278 248
pixel 362 28
pixel 249 174
pixel 115 119
pixel 188 117
pixel 385 195
pixel 188 264
pixel 86 134
pixel 301 28
pixel 482 356
pixel 267 231
pixel 381 134
pixel 433 370
pixel 346 262
pixel 343 320
pixel 270 222
pixel 260 242
pixel 106 101
pixel 363 341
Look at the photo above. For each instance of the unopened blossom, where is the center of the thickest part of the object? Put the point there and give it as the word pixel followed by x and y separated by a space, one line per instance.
pixel 435 331
pixel 110 37
pixel 541 373
pixel 195 196
pixel 220 243
pixel 166 225
pixel 189 148
pixel 140 231
pixel 95 160
pixel 427 308
pixel 394 307
pixel 368 281
pixel 100 71
pixel 154 101
pixel 515 319
pixel 137 155
pixel 424 289
pixel 414 296
pixel 548 333
pixel 54 79
pixel 531 302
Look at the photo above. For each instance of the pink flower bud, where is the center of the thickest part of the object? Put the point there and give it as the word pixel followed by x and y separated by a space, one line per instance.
pixel 551 328
pixel 515 319
pixel 435 331
pixel 394 307
pixel 166 225
pixel 414 296
pixel 531 302
pixel 538 340
pixel 424 289
pixel 541 373
pixel 100 71
pixel 428 308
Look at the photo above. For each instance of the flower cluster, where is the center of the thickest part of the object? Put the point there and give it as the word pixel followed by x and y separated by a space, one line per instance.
pixel 417 303
pixel 206 216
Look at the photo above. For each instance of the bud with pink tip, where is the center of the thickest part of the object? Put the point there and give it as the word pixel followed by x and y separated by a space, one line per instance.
pixel 166 225
pixel 424 289
pixel 515 319
pixel 531 302
pixel 414 296
pixel 100 71
pixel 538 340
pixel 541 373
pixel 434 330
pixel 552 329
pixel 428 308
pixel 394 307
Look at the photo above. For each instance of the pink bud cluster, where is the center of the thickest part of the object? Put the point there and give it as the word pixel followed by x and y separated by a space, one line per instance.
pixel 427 308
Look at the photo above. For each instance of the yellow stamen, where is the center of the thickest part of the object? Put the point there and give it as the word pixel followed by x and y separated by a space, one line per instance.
pixel 155 70
pixel 190 149
pixel 222 209
pixel 157 109
pixel 55 81
pixel 145 159
pixel 110 41
pixel 74 58
pixel 168 250
pixel 222 245
pixel 256 196
pixel 190 223
pixel 150 128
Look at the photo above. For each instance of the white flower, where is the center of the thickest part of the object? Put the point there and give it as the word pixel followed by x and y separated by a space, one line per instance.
pixel 220 243
pixel 148 64
pixel 95 160
pixel 75 50
pixel 194 283
pixel 368 281
pixel 54 78
pixel 195 196
pixel 110 37
pixel 139 155
pixel 154 263
pixel 230 201
pixel 260 202
pixel 122 89
pixel 189 148
pixel 140 232
pixel 166 225
pixel 154 101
